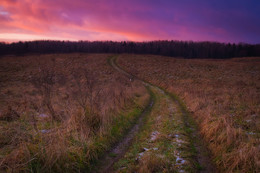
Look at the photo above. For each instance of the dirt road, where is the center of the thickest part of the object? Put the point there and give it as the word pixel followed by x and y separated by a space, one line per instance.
pixel 164 133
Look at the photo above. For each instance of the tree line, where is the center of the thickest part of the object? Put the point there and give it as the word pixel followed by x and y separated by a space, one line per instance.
pixel 186 49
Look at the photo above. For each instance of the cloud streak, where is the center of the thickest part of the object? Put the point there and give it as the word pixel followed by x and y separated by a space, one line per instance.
pixel 232 21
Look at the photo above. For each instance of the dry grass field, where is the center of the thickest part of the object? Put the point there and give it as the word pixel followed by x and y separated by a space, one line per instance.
pixel 60 112
pixel 223 97
pixel 64 112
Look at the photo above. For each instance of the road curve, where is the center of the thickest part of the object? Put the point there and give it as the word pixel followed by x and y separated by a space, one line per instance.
pixel 202 157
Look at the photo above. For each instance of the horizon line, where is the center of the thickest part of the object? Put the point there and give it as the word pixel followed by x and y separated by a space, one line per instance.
pixel 128 41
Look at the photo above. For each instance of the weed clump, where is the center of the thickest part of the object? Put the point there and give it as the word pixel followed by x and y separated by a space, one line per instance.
pixel 9 114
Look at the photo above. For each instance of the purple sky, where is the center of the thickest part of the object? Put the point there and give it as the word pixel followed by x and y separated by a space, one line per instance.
pixel 134 20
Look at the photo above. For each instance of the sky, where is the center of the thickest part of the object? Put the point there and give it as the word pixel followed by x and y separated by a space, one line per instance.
pixel 231 21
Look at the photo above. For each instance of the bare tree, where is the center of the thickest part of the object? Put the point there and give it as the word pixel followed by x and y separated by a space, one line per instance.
pixel 44 81
pixel 87 94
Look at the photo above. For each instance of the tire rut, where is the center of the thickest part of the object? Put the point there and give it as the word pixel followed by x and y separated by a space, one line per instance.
pixel 121 147
pixel 202 156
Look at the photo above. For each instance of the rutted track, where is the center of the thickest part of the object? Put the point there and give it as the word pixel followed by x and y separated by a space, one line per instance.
pixel 119 150
pixel 122 146
pixel 180 120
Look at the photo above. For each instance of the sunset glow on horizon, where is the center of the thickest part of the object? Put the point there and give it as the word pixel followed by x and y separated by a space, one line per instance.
pixel 136 20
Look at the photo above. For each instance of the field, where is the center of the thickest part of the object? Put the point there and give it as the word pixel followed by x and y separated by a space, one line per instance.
pixel 61 112
pixel 223 97
pixel 128 113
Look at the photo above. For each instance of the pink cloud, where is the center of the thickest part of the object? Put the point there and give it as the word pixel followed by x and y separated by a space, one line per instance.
pixel 115 20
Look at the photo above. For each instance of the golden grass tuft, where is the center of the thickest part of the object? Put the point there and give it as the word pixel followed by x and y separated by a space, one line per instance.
pixel 152 163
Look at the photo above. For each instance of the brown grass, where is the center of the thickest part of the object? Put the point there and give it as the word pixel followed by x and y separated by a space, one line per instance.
pixel 152 163
pixel 78 96
pixel 222 95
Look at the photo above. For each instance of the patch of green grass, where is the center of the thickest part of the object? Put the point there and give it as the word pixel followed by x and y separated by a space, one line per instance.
pixel 112 155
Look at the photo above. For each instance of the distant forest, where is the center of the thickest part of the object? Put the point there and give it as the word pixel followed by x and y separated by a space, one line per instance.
pixel 186 49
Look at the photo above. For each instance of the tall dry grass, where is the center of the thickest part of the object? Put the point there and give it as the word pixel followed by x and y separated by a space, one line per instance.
pixel 56 111
pixel 222 95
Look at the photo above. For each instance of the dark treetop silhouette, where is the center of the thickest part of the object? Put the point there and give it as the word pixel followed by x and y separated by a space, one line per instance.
pixel 167 48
